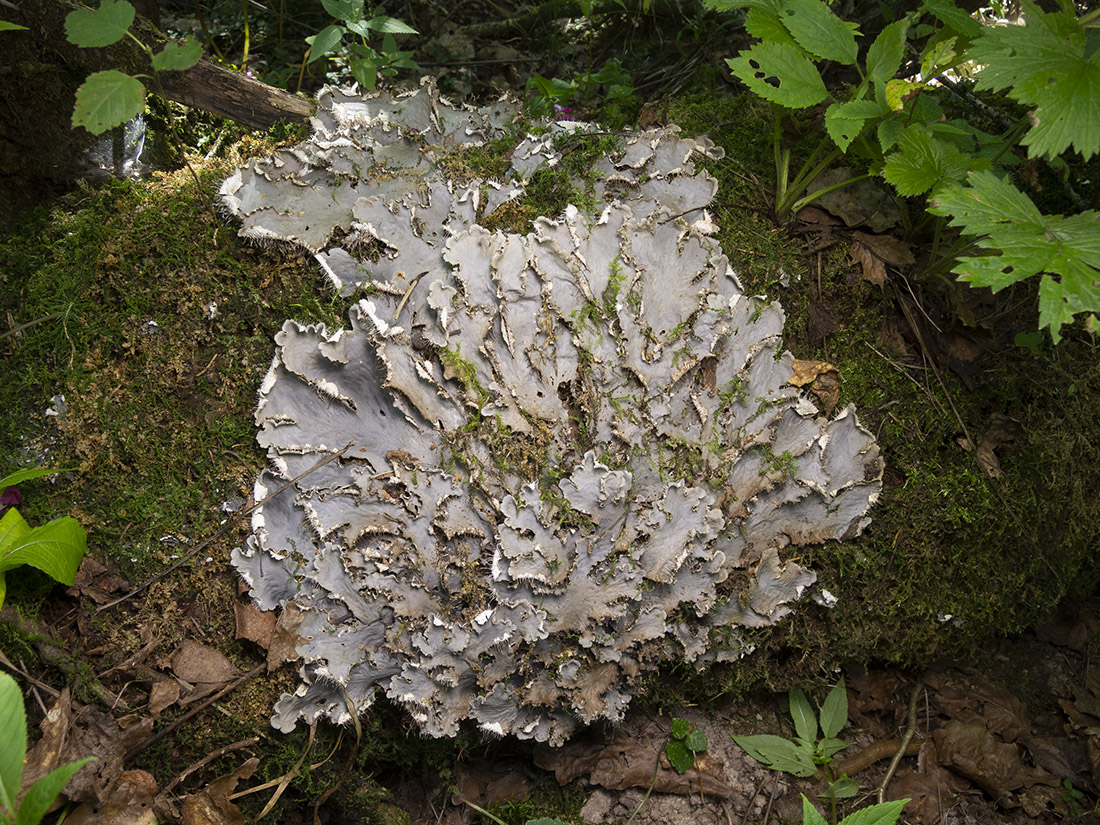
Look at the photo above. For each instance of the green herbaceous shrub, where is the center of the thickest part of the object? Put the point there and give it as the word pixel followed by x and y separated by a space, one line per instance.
pixel 13 751
pixel 891 121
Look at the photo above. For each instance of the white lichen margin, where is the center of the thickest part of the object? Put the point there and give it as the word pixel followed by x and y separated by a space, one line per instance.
pixel 575 454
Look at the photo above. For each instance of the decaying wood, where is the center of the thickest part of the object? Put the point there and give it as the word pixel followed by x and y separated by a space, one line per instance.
pixel 235 96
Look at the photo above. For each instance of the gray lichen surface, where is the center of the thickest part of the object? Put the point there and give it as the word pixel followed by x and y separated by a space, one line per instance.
pixel 575 453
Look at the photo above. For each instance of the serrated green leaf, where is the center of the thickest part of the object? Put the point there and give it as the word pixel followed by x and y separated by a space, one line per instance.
pixel 106 100
pixel 820 32
pixel 324 42
pixel 888 131
pixel 954 18
pixel 898 90
pixel 43 792
pixel 365 72
pixel 1044 64
pixel 834 711
pixel 780 73
pixel 8 26
pixel 766 26
pixel 390 25
pixel 177 56
pixel 102 27
pixel 19 476
pixel 886 813
pixel 885 54
pixel 810 814
pixel 1024 242
pixel 923 162
pixel 696 740
pixel 802 712
pixel 936 56
pixel 679 756
pixel 680 727
pixel 829 746
pixel 844 121
pixel 778 753
pixel 346 10
pixel 13 741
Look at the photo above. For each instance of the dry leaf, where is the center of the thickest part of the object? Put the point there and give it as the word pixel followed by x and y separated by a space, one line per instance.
pixel 823 378
pixel 202 667
pixel 163 694
pixel 128 801
pixel 1001 430
pixel 254 624
pixel 876 252
pixel 212 806
pixel 285 640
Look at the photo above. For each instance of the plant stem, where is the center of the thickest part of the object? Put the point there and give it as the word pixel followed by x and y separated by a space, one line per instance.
pixel 810 198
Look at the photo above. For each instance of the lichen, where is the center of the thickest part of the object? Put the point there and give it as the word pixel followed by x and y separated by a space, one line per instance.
pixel 572 454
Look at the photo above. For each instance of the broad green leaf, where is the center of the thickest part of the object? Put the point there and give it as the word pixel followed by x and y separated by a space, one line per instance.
pixel 844 121
pixel 680 728
pixel 885 814
pixel 106 100
pixel 885 54
pixel 780 73
pixel 177 56
pixel 12 527
pixel 8 26
pixel 1044 64
pixel 1025 243
pixel 936 56
pixel 55 549
pixel 889 129
pixel 325 41
pixel 347 10
pixel 923 162
pixel 13 740
pixel 802 712
pixel 767 26
pixel 820 32
pixel 696 740
pixel 829 746
pixel 43 792
pixel 834 711
pixel 810 814
pixel 778 753
pixel 102 27
pixel 954 18
pixel 843 788
pixel 365 72
pixel 679 756
pixel 898 90
pixel 19 476
pixel 390 25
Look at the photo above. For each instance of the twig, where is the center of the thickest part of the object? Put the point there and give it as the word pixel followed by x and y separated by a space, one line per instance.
pixel 771 799
pixel 752 800
pixel 210 757
pixel 910 729
pixel 167 729
pixel 875 752
pixel 229 525
pixel 22 671
pixel 22 327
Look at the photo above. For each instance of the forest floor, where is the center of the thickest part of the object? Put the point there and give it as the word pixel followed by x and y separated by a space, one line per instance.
pixel 965 617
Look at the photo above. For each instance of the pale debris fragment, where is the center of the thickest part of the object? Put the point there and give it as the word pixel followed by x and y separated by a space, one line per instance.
pixel 574 453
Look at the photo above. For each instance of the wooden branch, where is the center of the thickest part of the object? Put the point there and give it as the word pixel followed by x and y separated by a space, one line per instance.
pixel 235 96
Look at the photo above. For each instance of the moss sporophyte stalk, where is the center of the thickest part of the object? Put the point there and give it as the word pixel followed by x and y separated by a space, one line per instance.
pixel 599 447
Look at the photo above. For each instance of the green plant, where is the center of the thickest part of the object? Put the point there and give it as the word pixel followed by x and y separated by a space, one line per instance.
pixel 892 120
pixel 685 742
pixel 365 62
pixel 807 753
pixel 54 548
pixel 110 98
pixel 13 750
pixel 612 85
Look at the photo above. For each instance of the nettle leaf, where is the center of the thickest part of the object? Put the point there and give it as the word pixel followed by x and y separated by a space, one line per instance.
pixel 885 813
pixel 346 10
pixel 1025 242
pixel 834 711
pixel 778 753
pixel 780 73
pixel 820 32
pixel 885 54
pixel 390 25
pixel 42 794
pixel 923 162
pixel 1044 64
pixel 680 727
pixel 102 27
pixel 177 56
pixel 898 91
pixel 679 756
pixel 767 26
pixel 810 814
pixel 106 100
pixel 325 41
pixel 953 17
pixel 844 121
pixel 802 712
pixel 365 72
pixel 696 740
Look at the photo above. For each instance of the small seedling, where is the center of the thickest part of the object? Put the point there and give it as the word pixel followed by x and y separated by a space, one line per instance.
pixel 686 742
pixel 54 548
pixel 13 750
pixel 806 754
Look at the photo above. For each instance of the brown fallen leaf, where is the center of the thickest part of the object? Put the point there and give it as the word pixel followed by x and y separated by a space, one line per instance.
pixel 970 749
pixel 864 202
pixel 489 783
pixel 1000 431
pixel 204 669
pixel 96 581
pixel 212 806
pixel 284 642
pixel 254 624
pixel 823 378
pixel 127 801
pixel 162 695
pixel 876 252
